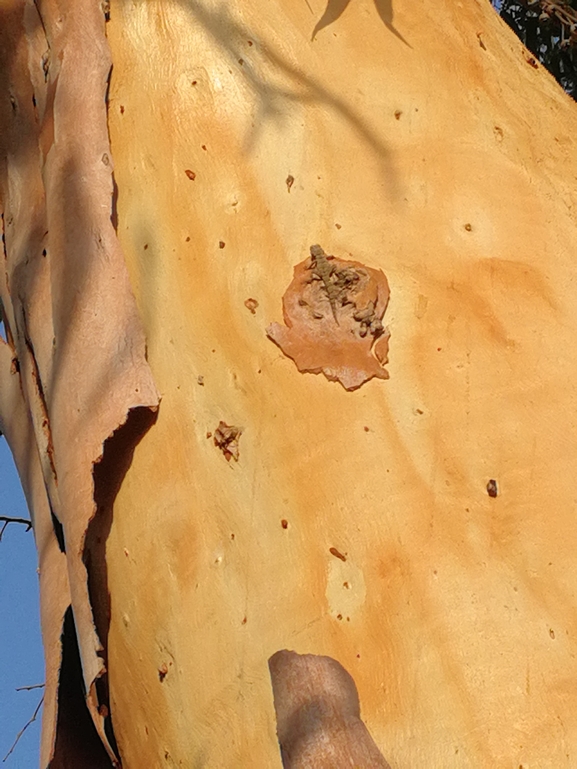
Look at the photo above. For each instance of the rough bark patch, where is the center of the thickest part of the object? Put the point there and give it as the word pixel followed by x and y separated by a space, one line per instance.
pixel 333 311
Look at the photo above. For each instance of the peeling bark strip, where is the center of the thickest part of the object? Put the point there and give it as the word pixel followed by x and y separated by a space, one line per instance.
pixel 75 369
pixel 333 312
pixel 318 714
pixel 16 426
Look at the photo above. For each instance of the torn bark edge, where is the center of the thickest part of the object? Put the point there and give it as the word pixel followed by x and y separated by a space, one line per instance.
pixel 76 739
pixel 102 723
pixel 108 474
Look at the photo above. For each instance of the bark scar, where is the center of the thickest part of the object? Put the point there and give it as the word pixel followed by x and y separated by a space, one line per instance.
pixel 333 312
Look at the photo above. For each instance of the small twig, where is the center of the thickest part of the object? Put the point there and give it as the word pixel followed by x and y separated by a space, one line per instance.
pixel 28 688
pixel 21 732
pixel 7 519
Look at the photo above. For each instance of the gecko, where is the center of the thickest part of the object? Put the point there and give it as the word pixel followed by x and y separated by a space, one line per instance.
pixel 323 270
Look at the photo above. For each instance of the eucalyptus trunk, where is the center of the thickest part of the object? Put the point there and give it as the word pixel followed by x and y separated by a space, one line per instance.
pixel 289 293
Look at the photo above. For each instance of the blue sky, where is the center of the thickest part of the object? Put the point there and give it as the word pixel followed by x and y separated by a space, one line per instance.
pixel 21 656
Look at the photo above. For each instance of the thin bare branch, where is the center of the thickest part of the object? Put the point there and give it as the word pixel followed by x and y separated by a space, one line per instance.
pixel 8 519
pixel 21 732
pixel 29 688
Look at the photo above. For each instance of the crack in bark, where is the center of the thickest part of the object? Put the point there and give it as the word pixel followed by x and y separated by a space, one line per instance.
pixel 48 448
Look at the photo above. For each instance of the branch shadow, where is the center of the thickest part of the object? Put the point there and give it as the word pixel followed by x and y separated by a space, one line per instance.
pixel 385 11
pixel 273 99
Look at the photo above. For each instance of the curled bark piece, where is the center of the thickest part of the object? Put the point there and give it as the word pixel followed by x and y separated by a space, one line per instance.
pixel 318 714
pixel 333 311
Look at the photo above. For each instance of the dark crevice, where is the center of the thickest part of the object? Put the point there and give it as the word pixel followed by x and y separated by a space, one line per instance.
pixel 40 19
pixel 3 323
pixel 77 744
pixel 3 238
pixel 114 205
pixel 108 79
pixel 108 475
pixel 41 397
pixel 3 317
pixel 114 201
pixel 58 528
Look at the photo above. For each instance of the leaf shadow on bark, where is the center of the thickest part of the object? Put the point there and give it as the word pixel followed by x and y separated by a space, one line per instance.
pixel 333 11
pixel 335 8
pixel 274 100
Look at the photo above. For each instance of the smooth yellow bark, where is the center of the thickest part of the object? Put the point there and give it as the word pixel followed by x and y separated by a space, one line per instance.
pixel 451 167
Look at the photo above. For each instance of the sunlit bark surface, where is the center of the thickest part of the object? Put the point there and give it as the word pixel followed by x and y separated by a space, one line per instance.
pixel 441 156
pixel 411 539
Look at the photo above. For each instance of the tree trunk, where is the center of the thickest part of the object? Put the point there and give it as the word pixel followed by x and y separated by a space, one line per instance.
pixel 310 507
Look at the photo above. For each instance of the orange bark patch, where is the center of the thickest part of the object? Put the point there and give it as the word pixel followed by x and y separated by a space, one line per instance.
pixel 333 311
